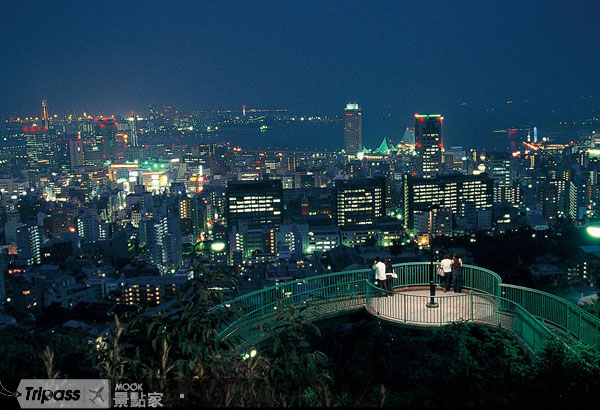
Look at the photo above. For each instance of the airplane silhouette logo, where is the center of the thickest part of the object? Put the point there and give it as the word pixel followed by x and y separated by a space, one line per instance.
pixel 97 395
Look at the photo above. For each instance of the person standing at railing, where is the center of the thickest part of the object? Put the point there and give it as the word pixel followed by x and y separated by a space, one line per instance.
pixel 446 265
pixel 389 273
pixel 380 276
pixel 457 273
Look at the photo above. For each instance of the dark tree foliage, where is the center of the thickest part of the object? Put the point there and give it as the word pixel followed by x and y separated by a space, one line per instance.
pixel 350 361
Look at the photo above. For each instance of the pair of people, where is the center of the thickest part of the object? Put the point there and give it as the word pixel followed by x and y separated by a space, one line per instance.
pixel 383 273
pixel 452 269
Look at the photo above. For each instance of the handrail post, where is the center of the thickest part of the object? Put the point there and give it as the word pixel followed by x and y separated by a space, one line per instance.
pixel 472 308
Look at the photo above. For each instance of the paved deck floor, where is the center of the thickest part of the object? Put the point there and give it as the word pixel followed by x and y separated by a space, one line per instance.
pixel 410 307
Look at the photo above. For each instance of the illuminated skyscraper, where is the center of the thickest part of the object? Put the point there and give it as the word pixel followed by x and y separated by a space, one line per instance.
pixel 76 158
pixel 133 137
pixel 352 129
pixel 259 203
pixel 445 192
pixel 359 201
pixel 38 146
pixel 45 114
pixel 28 244
pixel 428 144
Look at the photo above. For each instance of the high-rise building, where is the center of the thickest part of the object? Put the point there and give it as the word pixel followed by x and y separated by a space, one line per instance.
pixel 549 199
pixel 105 136
pixel 76 158
pixel 88 227
pixel 258 203
pixel 580 192
pixel 428 145
pixel 28 244
pixel 38 145
pixel 359 201
pixel 133 136
pixel 448 191
pixel 13 220
pixel 500 170
pixel 352 129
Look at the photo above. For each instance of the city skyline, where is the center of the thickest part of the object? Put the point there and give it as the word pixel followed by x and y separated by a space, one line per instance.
pixel 460 60
pixel 240 204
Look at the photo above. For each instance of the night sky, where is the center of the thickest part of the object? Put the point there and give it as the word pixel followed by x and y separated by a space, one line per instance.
pixel 394 58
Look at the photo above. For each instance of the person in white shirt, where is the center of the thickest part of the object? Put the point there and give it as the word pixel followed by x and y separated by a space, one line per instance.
pixel 446 265
pixel 379 267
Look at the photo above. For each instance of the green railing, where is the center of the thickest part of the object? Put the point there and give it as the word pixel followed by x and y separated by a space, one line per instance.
pixel 329 294
pixel 556 311
pixel 480 308
pixel 474 277
pixel 324 294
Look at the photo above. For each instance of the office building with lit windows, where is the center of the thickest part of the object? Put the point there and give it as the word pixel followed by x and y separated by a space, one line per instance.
pixel 428 145
pixel 28 239
pixel 359 202
pixel 151 290
pixel 258 203
pixel 352 129
pixel 501 172
pixel 445 192
pixel 39 148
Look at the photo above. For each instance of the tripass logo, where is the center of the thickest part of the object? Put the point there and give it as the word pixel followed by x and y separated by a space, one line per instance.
pixel 64 393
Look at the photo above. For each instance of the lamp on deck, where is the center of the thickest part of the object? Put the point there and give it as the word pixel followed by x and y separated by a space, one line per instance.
pixel 432 303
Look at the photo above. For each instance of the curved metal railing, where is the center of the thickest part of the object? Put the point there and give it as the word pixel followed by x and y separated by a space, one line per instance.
pixel 556 311
pixel 480 308
pixel 346 291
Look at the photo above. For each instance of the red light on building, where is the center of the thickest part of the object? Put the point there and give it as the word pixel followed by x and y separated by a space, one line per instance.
pixel 38 128
pixel 104 119
pixel 418 144
pixel 176 139
pixel 421 119
pixel 25 129
pixel 102 139
pixel 414 173
pixel 59 140
pixel 116 124
pixel 45 128
pixel 147 146
pixel 101 125
pixel 512 131
pixel 95 119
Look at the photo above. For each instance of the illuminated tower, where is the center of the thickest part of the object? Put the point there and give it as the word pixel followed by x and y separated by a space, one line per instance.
pixel 133 142
pixel 45 113
pixel 244 110
pixel 352 129
pixel 428 144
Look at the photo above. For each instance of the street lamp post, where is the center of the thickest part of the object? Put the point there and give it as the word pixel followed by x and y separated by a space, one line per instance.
pixel 431 303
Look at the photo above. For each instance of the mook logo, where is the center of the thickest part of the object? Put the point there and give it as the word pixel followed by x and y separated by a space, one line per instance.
pixel 133 395
pixel 63 393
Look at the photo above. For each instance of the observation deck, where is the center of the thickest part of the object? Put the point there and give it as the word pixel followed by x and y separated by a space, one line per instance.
pixel 527 313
